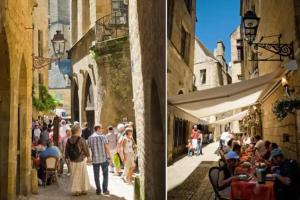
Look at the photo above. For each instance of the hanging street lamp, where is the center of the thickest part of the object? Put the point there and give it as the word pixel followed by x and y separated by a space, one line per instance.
pixel 58 44
pixel 250 24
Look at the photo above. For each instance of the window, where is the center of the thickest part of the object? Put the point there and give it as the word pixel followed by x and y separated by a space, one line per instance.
pixel 40 43
pixel 203 76
pixel 189 5
pixel 120 12
pixel 240 52
pixel 185 45
pixel 170 17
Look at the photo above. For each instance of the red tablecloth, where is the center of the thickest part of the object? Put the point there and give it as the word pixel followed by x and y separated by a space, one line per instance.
pixel 251 190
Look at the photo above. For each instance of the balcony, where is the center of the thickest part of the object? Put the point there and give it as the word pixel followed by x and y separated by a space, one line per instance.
pixel 112 26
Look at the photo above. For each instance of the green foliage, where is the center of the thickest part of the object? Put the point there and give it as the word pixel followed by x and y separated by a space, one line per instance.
pixel 282 107
pixel 46 102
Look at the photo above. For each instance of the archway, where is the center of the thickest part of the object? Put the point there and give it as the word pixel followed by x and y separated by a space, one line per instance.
pixel 23 133
pixel 75 103
pixel 89 105
pixel 155 145
pixel 5 94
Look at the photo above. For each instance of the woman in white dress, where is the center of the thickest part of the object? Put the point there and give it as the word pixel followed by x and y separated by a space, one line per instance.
pixel 77 152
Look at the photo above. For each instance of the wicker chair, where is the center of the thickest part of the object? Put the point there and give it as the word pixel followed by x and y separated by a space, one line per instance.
pixel 51 167
pixel 214 178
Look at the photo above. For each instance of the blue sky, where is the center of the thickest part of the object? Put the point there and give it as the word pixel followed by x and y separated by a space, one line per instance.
pixel 217 19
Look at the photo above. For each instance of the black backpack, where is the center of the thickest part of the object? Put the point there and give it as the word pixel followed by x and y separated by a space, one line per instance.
pixel 74 152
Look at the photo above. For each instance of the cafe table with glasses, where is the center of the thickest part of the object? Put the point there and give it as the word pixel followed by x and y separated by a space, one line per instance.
pixel 252 182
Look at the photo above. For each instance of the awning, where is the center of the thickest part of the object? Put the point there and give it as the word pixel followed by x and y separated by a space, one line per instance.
pixel 234 117
pixel 224 98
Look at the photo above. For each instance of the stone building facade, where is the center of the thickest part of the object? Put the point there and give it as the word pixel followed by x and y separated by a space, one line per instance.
pixel 15 97
pixel 100 91
pixel 236 55
pixel 149 89
pixel 180 74
pixel 40 35
pixel 277 17
pixel 210 70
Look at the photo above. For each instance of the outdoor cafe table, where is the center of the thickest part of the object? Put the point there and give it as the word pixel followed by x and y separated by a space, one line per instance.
pixel 251 190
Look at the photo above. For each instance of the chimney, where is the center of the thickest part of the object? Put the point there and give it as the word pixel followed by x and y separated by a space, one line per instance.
pixel 219 52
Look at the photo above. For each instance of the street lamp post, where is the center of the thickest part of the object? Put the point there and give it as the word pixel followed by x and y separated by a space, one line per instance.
pixel 58 44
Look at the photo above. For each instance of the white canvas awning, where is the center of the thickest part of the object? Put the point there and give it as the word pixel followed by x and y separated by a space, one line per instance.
pixel 234 117
pixel 224 98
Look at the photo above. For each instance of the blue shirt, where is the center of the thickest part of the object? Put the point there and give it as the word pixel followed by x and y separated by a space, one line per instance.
pixel 51 151
pixel 97 144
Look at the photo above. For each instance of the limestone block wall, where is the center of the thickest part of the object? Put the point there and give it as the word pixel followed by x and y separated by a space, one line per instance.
pixel 273 129
pixel 180 72
pixel 64 95
pixel 113 61
pixel 148 79
pixel 15 97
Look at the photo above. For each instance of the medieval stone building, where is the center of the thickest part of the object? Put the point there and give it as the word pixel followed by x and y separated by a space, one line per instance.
pixel 100 56
pixel 277 18
pixel 15 97
pixel 180 63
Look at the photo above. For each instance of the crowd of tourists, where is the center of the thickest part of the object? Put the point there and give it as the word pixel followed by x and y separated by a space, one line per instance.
pixel 244 154
pixel 112 149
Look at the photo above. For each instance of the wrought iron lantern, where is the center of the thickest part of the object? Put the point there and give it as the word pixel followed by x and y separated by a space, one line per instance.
pixel 59 44
pixel 250 23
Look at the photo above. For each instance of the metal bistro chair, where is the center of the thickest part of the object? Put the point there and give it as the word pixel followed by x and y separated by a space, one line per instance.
pixel 51 167
pixel 221 162
pixel 214 178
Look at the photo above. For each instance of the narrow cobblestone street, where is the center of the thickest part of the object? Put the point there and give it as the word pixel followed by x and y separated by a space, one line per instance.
pixel 188 177
pixel 118 189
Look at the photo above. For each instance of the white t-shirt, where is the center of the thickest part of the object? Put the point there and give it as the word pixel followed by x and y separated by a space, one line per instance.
pixel 37 133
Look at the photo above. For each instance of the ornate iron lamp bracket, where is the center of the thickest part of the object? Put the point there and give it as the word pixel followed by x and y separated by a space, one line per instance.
pixel 283 50
pixel 41 62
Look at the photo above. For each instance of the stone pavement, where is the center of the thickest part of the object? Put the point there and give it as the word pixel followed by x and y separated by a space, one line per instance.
pixel 118 189
pixel 188 177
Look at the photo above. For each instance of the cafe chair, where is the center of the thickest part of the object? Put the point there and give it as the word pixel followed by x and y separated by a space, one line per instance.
pixel 214 178
pixel 221 163
pixel 51 163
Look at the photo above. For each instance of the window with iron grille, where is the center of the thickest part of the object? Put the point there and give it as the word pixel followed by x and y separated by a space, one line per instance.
pixel 119 12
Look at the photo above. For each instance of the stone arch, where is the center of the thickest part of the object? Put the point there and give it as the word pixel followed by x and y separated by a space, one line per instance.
pixel 5 99
pixel 75 100
pixel 23 132
pixel 88 101
pixel 154 146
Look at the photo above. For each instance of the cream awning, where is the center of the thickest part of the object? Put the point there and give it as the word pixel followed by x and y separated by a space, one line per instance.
pixel 233 117
pixel 221 99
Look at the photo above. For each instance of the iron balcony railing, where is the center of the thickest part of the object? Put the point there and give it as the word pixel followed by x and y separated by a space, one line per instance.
pixel 112 26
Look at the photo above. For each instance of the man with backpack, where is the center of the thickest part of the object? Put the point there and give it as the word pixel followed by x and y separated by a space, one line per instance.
pixel 98 144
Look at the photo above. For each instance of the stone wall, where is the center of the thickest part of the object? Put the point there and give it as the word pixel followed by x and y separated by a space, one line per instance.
pixel 277 17
pixel 147 45
pixel 15 97
pixel 236 65
pixel 113 60
pixel 180 72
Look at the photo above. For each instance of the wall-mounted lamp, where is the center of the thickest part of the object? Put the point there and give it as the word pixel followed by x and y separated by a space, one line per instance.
pixel 285 85
pixel 250 25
